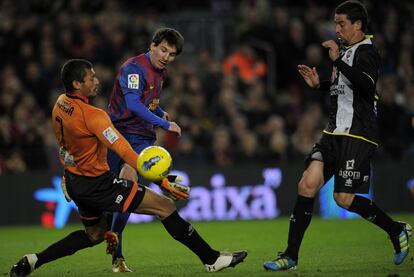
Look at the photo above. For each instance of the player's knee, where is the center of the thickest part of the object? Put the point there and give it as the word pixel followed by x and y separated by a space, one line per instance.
pixel 167 207
pixel 95 235
pixel 128 173
pixel 307 188
pixel 343 200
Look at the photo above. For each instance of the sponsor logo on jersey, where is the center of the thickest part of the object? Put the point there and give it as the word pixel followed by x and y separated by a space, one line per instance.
pixel 348 54
pixel 154 104
pixel 110 135
pixel 350 164
pixel 67 158
pixel 119 199
pixel 350 174
pixel 348 183
pixel 133 81
pixel 337 90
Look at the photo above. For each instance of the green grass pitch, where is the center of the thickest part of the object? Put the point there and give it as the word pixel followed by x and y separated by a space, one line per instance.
pixel 330 248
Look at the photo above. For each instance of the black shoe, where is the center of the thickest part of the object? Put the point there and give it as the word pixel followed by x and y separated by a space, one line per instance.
pixel 21 269
pixel 227 259
pixel 238 257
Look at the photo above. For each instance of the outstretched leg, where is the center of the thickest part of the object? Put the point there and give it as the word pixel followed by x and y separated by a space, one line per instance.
pixel 185 233
pixel 367 209
pixel 74 242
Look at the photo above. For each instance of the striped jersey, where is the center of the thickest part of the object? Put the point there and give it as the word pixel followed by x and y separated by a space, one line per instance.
pixel 139 77
pixel 353 95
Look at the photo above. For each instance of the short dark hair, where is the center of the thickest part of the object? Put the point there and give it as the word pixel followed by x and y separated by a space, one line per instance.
pixel 354 10
pixel 171 36
pixel 74 70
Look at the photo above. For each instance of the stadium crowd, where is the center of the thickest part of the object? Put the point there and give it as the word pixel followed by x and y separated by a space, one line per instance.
pixel 224 105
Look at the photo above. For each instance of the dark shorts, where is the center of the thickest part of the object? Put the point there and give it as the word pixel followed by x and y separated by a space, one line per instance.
pixel 105 193
pixel 346 158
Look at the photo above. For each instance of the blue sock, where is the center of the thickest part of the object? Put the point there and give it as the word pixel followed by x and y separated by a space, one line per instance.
pixel 119 222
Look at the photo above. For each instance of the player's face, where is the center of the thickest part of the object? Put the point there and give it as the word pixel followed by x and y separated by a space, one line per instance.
pixel 347 32
pixel 162 54
pixel 90 84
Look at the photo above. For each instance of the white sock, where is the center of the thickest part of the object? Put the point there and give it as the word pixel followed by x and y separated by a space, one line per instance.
pixel 32 258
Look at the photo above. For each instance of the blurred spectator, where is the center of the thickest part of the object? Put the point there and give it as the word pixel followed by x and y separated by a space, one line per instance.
pixel 256 105
pixel 405 69
pixel 188 153
pixel 244 64
pixel 222 150
pixel 389 114
pixel 277 140
pixel 406 124
pixel 15 162
pixel 218 91
pixel 10 136
pixel 8 99
pixel 51 148
pixel 249 149
pixel 308 131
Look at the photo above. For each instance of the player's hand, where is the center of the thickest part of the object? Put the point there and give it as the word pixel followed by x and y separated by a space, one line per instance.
pixel 310 75
pixel 166 116
pixel 173 186
pixel 333 49
pixel 174 128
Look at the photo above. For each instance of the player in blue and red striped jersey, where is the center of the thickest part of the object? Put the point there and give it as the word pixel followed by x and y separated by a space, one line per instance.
pixel 85 133
pixel 135 112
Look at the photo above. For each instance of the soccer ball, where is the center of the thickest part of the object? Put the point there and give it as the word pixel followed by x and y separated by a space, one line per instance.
pixel 154 163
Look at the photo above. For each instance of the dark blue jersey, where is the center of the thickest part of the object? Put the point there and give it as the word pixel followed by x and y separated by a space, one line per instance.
pixel 133 104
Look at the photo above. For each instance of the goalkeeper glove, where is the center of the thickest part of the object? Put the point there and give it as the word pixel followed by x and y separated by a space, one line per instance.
pixel 173 186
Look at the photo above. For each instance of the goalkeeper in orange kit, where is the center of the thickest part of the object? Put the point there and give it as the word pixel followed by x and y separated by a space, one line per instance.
pixel 84 134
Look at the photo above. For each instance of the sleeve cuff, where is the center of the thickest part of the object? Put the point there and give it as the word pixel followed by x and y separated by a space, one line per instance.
pixel 338 61
pixel 324 85
pixel 165 124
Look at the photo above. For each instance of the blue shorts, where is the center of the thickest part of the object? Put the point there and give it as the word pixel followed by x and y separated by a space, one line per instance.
pixel 138 144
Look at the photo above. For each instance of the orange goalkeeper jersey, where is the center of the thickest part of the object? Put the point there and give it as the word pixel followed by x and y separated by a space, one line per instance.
pixel 84 133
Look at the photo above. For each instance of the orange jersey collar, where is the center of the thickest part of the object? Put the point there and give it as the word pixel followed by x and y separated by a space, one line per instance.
pixel 77 96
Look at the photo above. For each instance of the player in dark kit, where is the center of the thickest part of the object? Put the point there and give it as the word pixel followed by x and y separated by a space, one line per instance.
pixel 85 133
pixel 350 139
pixel 135 112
